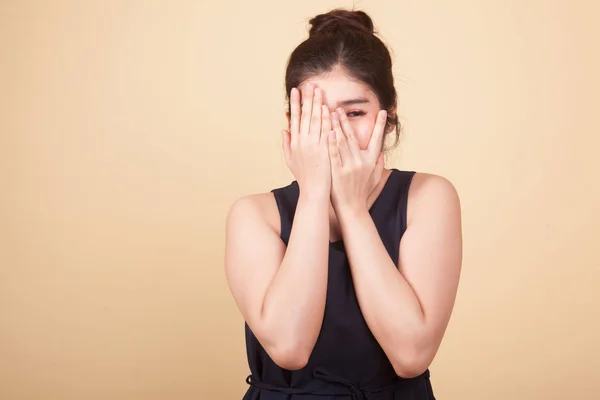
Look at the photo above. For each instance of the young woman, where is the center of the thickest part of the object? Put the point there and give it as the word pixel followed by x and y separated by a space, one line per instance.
pixel 347 276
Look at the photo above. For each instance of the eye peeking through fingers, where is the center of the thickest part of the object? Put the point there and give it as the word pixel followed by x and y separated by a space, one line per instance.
pixel 352 114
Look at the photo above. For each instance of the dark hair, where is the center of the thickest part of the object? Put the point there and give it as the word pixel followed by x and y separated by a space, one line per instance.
pixel 346 39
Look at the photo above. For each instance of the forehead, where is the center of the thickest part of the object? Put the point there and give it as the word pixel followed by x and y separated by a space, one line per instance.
pixel 338 86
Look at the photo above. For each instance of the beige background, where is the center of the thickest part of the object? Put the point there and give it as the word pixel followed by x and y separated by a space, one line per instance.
pixel 129 127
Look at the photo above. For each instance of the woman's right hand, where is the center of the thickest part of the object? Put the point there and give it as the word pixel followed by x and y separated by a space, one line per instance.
pixel 305 144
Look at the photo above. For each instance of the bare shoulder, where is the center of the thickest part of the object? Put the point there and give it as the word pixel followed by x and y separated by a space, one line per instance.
pixel 253 253
pixel 256 208
pixel 253 248
pixel 431 194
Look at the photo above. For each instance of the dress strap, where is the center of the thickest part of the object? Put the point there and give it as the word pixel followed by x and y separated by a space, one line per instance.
pixel 287 200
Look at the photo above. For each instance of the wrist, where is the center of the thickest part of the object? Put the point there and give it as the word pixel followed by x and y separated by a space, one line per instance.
pixel 314 196
pixel 351 211
pixel 353 220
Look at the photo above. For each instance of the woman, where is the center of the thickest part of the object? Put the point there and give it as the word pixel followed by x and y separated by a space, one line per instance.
pixel 347 276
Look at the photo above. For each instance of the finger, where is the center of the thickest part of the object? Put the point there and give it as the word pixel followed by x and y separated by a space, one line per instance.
pixel 307 100
pixel 377 137
pixel 294 113
pixel 315 124
pixel 344 150
pixel 378 170
pixel 326 122
pixel 286 144
pixel 349 133
pixel 334 153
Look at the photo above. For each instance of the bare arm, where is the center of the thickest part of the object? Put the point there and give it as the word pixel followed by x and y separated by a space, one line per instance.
pixel 408 308
pixel 280 292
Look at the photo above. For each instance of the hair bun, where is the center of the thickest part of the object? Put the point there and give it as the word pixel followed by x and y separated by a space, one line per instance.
pixel 340 21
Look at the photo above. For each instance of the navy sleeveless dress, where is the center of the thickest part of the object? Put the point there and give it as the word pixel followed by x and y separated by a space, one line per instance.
pixel 347 362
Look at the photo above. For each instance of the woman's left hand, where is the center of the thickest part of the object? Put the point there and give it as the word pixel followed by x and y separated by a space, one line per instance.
pixel 354 172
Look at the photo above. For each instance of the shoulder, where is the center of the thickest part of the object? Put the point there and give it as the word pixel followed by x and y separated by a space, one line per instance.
pixel 254 208
pixel 432 195
pixel 431 185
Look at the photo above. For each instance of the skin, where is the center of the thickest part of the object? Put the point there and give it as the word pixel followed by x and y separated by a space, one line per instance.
pixel 281 292
pixel 361 107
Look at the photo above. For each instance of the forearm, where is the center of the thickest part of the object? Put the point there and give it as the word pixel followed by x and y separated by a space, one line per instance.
pixel 387 301
pixel 294 304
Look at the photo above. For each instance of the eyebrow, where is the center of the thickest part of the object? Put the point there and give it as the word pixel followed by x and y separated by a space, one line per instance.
pixel 349 102
pixel 359 100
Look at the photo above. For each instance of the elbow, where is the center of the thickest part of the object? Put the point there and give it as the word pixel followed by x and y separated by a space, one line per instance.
pixel 291 357
pixel 287 348
pixel 411 362
pixel 410 371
